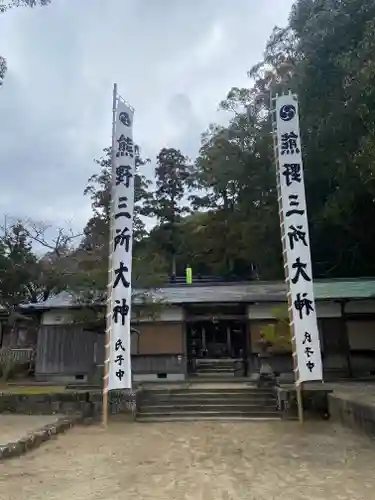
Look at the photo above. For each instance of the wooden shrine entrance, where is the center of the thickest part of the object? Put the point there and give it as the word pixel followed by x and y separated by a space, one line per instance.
pixel 221 336
pixel 216 340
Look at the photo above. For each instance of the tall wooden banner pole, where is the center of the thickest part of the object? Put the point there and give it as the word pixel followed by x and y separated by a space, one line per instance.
pixel 298 385
pixel 295 238
pixel 300 402
pixel 110 273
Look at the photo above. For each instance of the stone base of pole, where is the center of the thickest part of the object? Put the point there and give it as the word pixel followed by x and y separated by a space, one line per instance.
pixel 266 376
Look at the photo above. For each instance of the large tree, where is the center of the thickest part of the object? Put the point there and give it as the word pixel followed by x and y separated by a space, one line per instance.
pixel 326 55
pixel 335 81
pixel 92 254
pixel 234 173
pixel 34 266
pixel 168 203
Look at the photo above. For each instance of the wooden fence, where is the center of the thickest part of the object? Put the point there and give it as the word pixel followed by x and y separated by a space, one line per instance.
pixel 65 350
pixel 16 356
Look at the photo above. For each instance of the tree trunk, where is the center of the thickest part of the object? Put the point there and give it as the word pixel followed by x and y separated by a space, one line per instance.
pixel 174 270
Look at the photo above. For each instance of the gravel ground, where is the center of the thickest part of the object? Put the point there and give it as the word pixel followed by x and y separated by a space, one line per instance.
pixel 239 461
pixel 14 427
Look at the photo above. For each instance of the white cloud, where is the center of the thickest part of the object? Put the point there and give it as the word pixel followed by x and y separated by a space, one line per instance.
pixel 173 60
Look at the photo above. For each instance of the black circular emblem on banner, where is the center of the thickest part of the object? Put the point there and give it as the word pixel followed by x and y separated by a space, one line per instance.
pixel 125 118
pixel 287 112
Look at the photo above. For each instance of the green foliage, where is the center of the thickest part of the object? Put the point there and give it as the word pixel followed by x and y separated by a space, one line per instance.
pixel 173 175
pixel 3 69
pixel 7 369
pixel 9 4
pixel 235 170
pixel 277 334
pixel 26 276
pixel 326 55
pixel 99 190
pixel 219 214
pixel 90 280
pixel 11 367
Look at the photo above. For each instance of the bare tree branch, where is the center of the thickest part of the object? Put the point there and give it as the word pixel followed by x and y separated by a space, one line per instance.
pixel 60 243
pixel 30 275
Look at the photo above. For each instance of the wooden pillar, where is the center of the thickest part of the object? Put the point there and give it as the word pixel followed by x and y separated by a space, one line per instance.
pixel 229 345
pixel 184 346
pixel 245 342
pixel 203 339
pixel 248 344
pixel 346 338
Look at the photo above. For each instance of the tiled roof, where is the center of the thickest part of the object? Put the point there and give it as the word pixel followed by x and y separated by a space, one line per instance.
pixel 236 292
pixel 345 289
pixel 255 291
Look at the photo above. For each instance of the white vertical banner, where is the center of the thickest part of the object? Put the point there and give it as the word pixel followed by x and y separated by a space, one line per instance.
pixel 296 242
pixel 123 172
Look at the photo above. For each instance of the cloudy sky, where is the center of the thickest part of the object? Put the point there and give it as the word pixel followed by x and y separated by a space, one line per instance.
pixel 173 60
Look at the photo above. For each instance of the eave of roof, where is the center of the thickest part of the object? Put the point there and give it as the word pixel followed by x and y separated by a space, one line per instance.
pixel 254 291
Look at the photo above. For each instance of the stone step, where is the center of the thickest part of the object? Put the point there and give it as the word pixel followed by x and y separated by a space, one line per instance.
pixel 219 405
pixel 216 363
pixel 194 400
pixel 214 415
pixel 215 369
pixel 211 402
pixel 218 418
pixel 215 374
pixel 202 401
pixel 219 408
pixel 224 379
pixel 83 387
pixel 203 391
pixel 202 366
pixel 207 400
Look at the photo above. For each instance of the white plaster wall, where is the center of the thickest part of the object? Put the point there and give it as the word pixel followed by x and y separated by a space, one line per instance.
pixel 167 314
pixel 361 334
pixel 63 317
pixel 266 310
pixel 57 317
pixel 363 306
pixel 263 311
pixel 328 310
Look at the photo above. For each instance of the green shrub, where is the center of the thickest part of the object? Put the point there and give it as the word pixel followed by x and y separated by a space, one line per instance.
pixel 277 334
pixel 7 368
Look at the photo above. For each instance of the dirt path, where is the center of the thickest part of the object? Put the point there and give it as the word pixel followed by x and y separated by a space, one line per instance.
pixel 14 427
pixel 252 461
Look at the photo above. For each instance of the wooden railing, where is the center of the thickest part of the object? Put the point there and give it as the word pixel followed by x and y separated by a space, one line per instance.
pixel 16 356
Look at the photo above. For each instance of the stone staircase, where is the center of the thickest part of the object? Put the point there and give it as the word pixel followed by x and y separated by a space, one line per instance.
pixel 207 403
pixel 218 367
